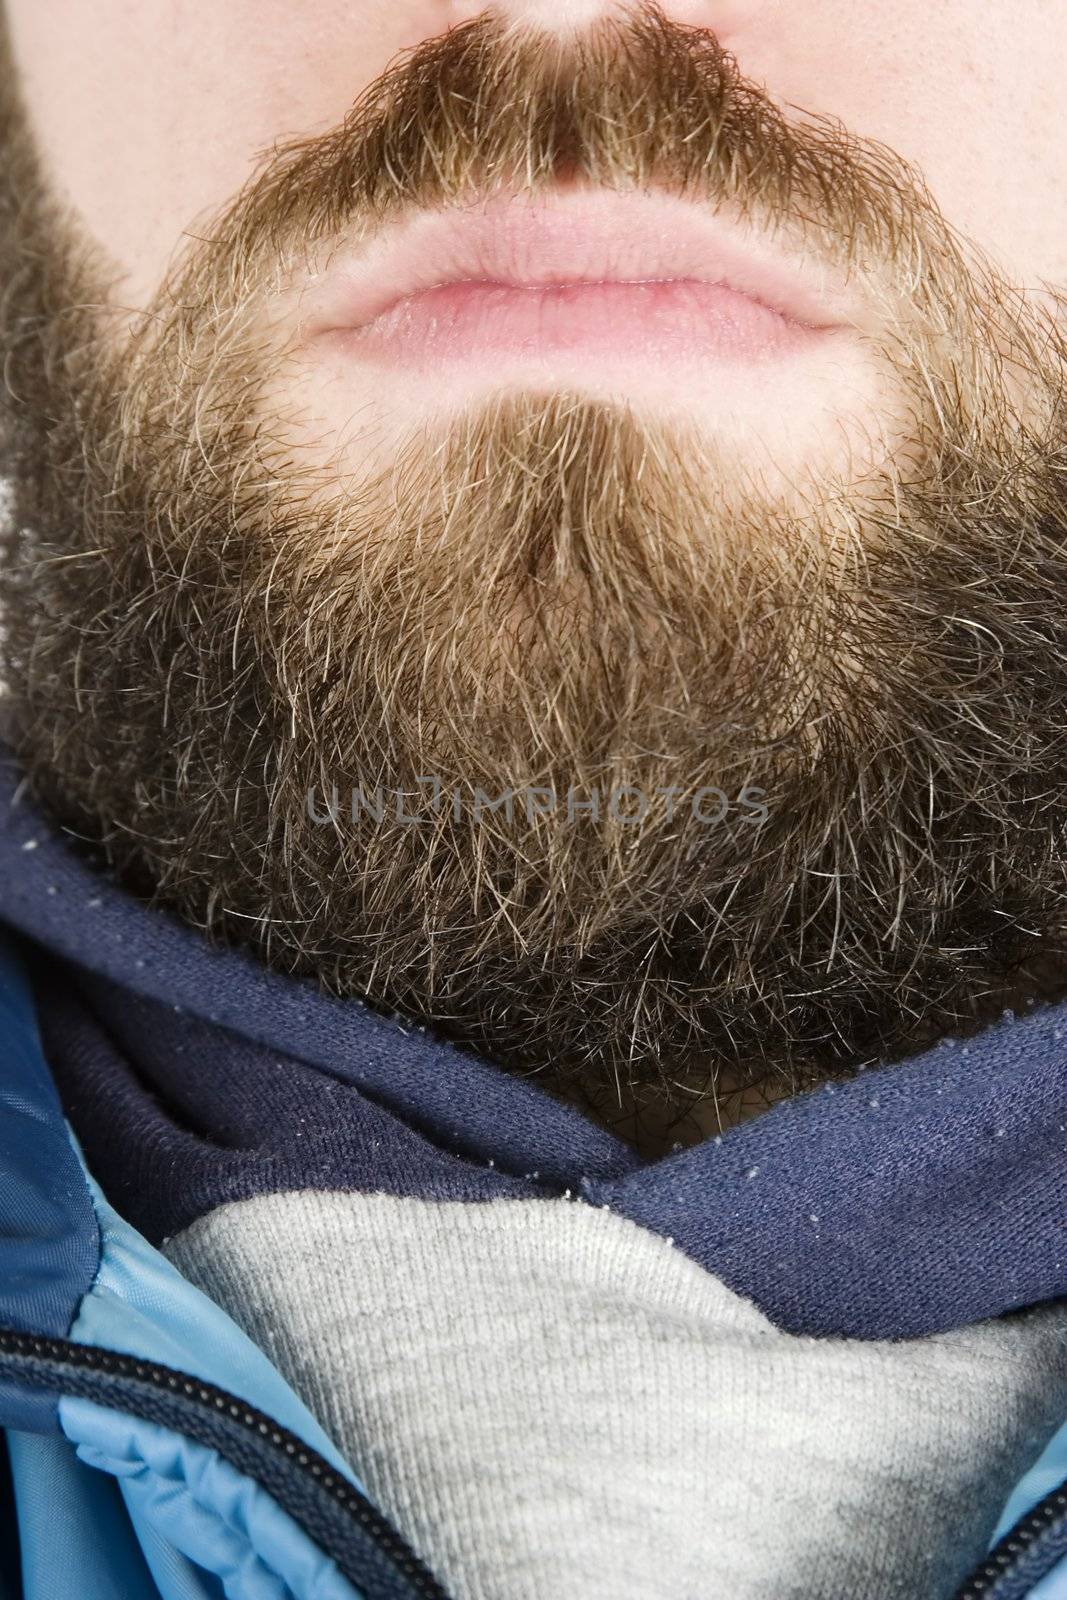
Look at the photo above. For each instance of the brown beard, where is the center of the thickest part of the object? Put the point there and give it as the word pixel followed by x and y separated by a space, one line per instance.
pixel 555 596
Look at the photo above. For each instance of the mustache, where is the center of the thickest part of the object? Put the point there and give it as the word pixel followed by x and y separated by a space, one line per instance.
pixel 635 100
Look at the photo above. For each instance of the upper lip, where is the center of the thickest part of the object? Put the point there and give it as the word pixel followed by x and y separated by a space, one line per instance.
pixel 571 237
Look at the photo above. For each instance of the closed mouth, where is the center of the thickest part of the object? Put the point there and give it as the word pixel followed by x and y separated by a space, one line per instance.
pixel 622 274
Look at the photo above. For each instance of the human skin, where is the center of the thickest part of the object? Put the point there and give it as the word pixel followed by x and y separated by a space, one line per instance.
pixel 150 117
pixel 150 120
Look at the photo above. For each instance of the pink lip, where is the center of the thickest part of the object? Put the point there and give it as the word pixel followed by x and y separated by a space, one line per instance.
pixel 613 274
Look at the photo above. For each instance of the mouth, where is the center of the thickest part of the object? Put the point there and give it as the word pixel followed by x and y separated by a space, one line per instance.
pixel 622 277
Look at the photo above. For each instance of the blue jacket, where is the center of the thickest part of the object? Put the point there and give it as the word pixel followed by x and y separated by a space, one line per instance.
pixel 154 1451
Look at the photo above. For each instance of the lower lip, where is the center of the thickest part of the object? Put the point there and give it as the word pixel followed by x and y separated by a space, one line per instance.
pixel 678 319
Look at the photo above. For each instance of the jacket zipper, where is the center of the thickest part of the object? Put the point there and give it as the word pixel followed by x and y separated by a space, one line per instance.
pixel 322 1502
pixel 1009 1562
pixel 70 1368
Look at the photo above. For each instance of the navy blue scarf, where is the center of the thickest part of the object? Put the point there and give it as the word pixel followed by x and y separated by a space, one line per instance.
pixel 909 1200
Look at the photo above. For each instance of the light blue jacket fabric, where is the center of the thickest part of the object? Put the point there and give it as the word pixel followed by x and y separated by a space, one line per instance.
pixel 104 1504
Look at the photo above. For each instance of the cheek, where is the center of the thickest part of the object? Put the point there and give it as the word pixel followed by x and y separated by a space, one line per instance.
pixel 151 117
pixel 972 95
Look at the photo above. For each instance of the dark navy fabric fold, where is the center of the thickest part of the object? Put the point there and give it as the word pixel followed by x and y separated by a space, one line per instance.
pixel 914 1198
pixel 48 892
pixel 49 1238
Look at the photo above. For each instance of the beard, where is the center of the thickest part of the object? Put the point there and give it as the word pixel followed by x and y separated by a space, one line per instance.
pixel 565 729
